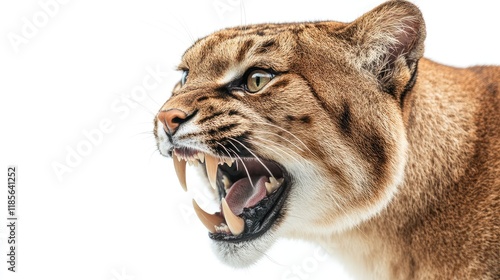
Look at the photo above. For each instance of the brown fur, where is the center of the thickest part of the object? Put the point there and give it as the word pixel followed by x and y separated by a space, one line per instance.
pixel 363 107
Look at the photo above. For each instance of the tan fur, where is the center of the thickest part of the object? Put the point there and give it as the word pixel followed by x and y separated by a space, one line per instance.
pixel 395 159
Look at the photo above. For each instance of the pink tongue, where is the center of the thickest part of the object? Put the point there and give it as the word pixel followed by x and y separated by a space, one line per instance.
pixel 243 195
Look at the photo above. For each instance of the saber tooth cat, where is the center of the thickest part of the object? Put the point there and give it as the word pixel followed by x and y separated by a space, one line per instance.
pixel 342 134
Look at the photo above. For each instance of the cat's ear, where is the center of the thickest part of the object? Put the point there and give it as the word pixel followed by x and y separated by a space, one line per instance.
pixel 388 42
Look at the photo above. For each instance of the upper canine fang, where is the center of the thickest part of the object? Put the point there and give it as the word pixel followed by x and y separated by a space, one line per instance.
pixel 211 165
pixel 180 170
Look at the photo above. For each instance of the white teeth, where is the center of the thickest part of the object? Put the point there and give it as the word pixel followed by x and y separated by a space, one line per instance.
pixel 229 162
pixel 230 223
pixel 201 157
pixel 236 224
pixel 178 157
pixel 273 184
pixel 211 164
pixel 210 221
pixel 180 170
pixel 223 228
pixel 227 183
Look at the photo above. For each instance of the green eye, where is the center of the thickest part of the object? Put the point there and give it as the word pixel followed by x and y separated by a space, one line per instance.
pixel 184 77
pixel 257 79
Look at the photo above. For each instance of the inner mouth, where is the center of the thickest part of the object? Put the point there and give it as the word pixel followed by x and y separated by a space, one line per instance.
pixel 251 193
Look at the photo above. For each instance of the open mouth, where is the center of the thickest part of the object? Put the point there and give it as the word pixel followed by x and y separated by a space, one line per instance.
pixel 251 192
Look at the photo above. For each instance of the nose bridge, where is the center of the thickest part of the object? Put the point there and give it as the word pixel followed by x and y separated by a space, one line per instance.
pixel 171 119
pixel 178 108
pixel 182 100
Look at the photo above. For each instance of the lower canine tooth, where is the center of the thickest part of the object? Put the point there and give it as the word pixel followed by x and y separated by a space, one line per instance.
pixel 227 183
pixel 210 221
pixel 236 224
pixel 273 184
pixel 180 170
pixel 211 165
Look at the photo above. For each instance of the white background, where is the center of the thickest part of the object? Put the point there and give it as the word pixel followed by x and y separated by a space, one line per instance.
pixel 119 213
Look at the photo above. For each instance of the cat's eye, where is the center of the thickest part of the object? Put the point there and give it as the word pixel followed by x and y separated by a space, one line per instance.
pixel 257 79
pixel 184 77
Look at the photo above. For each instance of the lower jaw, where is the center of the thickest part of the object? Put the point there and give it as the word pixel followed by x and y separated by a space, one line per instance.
pixel 245 253
pixel 270 210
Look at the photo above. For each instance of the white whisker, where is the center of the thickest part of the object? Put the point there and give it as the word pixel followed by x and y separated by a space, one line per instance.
pixel 148 133
pixel 186 29
pixel 276 134
pixel 275 145
pixel 153 153
pixel 337 199
pixel 234 146
pixel 243 14
pixel 258 159
pixel 293 135
pixel 146 109
pixel 244 166
pixel 227 152
pixel 236 154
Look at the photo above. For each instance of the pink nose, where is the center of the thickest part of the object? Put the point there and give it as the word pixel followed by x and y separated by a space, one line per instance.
pixel 171 119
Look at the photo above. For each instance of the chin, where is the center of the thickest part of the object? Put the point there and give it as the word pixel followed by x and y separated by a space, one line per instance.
pixel 251 193
pixel 244 253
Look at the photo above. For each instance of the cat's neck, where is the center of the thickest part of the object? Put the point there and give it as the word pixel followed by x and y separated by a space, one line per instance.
pixel 440 125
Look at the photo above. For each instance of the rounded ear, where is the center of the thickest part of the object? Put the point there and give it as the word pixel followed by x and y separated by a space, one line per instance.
pixel 388 42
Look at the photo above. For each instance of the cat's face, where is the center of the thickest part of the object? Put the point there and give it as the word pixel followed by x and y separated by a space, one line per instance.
pixel 297 137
